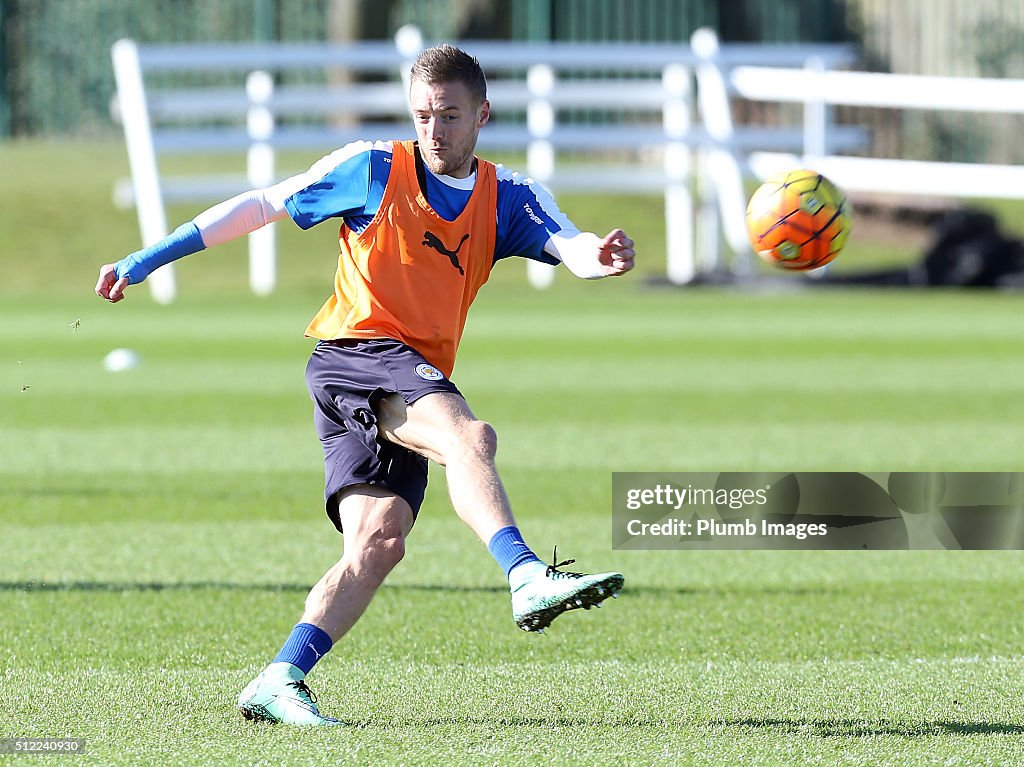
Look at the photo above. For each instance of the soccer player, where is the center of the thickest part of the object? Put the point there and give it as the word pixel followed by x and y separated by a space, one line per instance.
pixel 422 223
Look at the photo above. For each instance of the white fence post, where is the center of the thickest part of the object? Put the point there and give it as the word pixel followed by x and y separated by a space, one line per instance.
pixel 149 204
pixel 815 118
pixel 679 224
pixel 408 43
pixel 721 175
pixel 540 153
pixel 259 87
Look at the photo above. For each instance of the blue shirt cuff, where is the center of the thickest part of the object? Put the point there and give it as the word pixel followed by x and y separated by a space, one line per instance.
pixel 183 241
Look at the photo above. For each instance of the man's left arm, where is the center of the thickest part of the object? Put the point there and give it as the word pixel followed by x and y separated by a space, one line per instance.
pixel 531 225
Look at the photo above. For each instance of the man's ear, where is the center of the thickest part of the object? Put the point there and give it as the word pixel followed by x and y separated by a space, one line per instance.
pixel 484 113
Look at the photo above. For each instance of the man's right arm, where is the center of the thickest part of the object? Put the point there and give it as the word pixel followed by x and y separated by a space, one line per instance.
pixel 337 183
pixel 223 222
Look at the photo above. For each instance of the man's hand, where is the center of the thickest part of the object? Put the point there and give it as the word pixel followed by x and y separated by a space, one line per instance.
pixel 108 286
pixel 615 253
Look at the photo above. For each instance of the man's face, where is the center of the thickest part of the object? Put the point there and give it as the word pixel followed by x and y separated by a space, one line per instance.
pixel 447 125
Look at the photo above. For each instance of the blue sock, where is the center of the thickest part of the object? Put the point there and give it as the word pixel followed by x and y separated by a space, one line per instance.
pixel 306 645
pixel 508 547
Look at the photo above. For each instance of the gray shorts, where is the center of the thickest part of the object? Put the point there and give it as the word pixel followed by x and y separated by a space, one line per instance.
pixel 347 379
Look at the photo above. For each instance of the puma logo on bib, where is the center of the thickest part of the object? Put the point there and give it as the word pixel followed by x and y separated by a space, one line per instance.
pixel 431 240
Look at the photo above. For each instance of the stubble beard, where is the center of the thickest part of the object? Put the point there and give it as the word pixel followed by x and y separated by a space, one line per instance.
pixel 446 166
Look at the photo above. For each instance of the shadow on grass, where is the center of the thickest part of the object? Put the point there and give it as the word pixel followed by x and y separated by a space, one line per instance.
pixel 516 721
pixel 114 586
pixel 121 586
pixel 822 728
pixel 852 728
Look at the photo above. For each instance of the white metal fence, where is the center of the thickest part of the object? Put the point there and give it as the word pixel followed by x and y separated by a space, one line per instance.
pixel 647 145
pixel 819 89
pixel 663 134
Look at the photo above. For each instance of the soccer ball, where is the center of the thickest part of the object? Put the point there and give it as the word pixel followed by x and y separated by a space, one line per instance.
pixel 798 220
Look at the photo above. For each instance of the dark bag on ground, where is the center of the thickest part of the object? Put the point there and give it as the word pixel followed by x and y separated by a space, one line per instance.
pixel 968 251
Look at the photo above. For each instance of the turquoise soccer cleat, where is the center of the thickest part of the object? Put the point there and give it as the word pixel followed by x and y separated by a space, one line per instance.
pixel 543 598
pixel 280 696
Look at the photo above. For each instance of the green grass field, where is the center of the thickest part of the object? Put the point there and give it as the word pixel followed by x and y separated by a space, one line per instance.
pixel 159 528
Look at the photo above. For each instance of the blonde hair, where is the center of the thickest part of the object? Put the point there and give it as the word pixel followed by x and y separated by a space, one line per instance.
pixel 448 64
